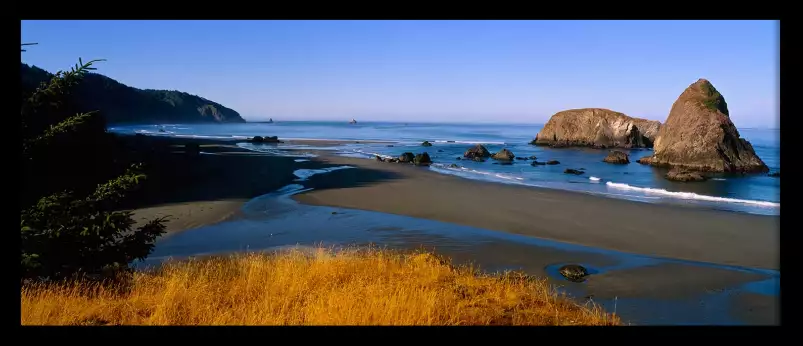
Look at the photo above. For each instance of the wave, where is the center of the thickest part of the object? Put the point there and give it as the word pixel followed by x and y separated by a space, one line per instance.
pixel 304 174
pixel 593 178
pixel 272 150
pixel 470 142
pixel 690 195
pixel 468 172
pixel 371 155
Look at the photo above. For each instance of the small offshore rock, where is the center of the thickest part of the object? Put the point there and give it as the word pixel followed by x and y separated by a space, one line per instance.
pixel 573 272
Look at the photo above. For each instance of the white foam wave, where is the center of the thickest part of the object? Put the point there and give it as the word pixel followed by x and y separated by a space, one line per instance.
pixel 593 178
pixel 208 136
pixel 300 160
pixel 719 179
pixel 469 142
pixel 690 195
pixel 372 154
pixel 337 140
pixel 304 174
pixel 441 168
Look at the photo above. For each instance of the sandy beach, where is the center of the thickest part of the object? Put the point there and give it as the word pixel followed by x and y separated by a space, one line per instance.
pixel 209 188
pixel 661 230
pixel 212 187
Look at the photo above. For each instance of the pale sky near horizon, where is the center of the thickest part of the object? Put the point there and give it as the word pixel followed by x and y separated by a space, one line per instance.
pixel 450 71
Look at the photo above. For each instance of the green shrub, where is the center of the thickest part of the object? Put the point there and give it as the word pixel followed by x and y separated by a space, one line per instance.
pixel 73 178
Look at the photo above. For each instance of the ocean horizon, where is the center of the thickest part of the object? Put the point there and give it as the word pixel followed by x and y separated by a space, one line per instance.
pixel 751 193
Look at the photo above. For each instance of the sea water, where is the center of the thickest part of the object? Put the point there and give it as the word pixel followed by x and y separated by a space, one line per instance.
pixel 753 193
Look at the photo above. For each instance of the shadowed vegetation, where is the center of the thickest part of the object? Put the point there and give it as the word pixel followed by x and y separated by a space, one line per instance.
pixel 124 104
pixel 73 177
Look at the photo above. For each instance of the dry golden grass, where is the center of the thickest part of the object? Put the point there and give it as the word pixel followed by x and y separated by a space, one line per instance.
pixel 365 287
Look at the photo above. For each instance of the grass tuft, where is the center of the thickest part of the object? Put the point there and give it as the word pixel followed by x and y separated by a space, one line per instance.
pixel 322 287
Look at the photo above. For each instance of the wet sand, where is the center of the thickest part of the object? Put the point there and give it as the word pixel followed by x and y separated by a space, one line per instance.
pixel 201 191
pixel 198 190
pixel 658 230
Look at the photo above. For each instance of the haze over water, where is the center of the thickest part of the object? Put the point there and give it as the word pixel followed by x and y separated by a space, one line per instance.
pixel 757 193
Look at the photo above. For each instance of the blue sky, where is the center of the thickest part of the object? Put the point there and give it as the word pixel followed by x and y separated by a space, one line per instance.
pixel 480 71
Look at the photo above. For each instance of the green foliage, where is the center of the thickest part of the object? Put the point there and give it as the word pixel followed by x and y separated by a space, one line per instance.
pixel 73 179
pixel 713 99
pixel 124 104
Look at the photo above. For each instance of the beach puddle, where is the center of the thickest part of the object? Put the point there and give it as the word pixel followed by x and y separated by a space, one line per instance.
pixel 620 282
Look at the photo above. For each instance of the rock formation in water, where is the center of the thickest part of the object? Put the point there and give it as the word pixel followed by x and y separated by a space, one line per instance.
pixel 477 151
pixel 617 157
pixel 406 157
pixel 503 155
pixel 598 128
pixel 573 171
pixel 684 175
pixel 422 159
pixel 698 135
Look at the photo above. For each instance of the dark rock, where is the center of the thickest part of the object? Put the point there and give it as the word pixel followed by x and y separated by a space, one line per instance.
pixel 454 165
pixel 379 158
pixel 573 272
pixel 449 141
pixel 582 169
pixel 553 162
pixel 536 163
pixel 459 158
pixel 617 157
pixel 684 175
pixel 520 158
pixel 699 135
pixel 533 157
pixel 775 174
pixel 598 128
pixel 426 144
pixel 503 155
pixel 390 145
pixel 406 157
pixel 393 160
pixel 422 160
pixel 440 150
pixel 478 159
pixel 477 151
pixel 573 171
pixel 260 139
pixel 646 160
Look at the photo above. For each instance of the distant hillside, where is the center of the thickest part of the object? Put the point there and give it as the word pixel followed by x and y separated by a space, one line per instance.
pixel 122 104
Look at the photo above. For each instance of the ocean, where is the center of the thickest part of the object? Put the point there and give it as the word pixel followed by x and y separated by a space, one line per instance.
pixel 756 193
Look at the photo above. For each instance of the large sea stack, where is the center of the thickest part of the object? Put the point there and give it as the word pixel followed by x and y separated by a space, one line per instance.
pixel 599 128
pixel 699 135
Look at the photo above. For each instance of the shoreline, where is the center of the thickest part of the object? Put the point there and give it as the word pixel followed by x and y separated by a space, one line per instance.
pixel 672 231
pixel 663 262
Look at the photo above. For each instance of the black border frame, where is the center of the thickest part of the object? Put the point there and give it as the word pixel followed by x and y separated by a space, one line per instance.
pixel 332 334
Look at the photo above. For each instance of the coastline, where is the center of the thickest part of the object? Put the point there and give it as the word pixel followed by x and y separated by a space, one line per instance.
pixel 498 226
pixel 687 233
